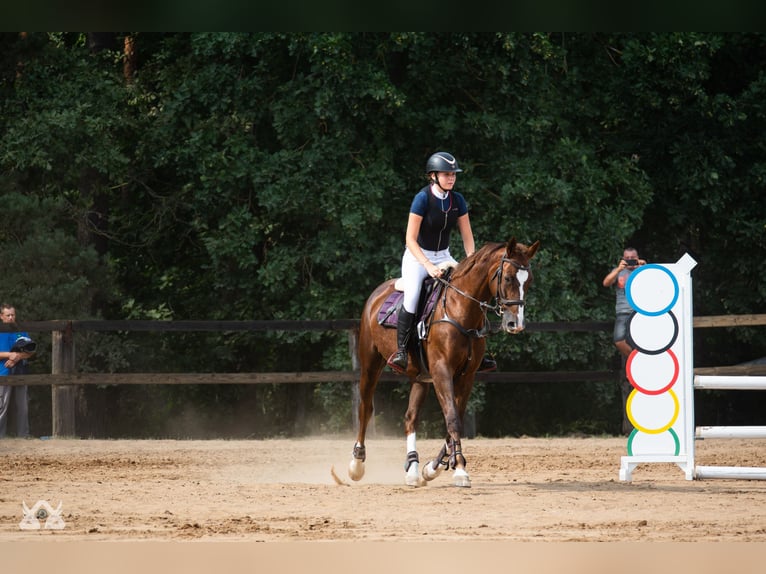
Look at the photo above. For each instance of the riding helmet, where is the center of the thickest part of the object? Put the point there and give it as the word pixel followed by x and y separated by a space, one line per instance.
pixel 442 161
pixel 24 345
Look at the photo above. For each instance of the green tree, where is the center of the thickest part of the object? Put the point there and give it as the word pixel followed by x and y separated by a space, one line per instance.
pixel 269 175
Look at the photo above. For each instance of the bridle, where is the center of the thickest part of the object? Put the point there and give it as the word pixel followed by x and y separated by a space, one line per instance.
pixel 503 303
pixel 499 304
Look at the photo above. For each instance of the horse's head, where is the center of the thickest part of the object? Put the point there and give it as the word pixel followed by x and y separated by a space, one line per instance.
pixel 512 279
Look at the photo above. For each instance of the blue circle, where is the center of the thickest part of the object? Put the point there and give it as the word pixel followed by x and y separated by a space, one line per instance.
pixel 630 297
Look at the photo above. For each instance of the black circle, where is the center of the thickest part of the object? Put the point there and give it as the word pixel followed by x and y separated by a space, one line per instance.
pixel 653 351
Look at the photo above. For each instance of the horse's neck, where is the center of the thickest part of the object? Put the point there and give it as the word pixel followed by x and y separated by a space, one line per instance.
pixel 458 304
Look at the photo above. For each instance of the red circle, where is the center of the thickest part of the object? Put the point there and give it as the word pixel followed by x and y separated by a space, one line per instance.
pixel 629 374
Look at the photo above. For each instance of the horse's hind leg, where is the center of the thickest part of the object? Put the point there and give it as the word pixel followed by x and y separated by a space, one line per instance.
pixel 367 383
pixel 418 393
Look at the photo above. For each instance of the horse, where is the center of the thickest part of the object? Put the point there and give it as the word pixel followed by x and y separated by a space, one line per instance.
pixel 496 278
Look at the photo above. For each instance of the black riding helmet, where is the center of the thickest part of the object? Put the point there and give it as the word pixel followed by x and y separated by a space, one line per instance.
pixel 24 345
pixel 442 161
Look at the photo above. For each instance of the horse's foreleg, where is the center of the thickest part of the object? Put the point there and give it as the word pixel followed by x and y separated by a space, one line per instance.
pixel 451 454
pixel 434 468
pixel 418 393
pixel 457 462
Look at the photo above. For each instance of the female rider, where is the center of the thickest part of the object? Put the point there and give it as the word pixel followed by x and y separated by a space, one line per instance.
pixel 434 212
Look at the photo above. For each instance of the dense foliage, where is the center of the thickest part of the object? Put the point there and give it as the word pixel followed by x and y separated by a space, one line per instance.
pixel 263 176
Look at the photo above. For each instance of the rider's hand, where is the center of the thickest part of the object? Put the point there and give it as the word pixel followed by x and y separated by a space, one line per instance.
pixel 433 270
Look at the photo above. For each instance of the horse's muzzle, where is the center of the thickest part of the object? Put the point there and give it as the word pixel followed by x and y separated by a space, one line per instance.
pixel 513 323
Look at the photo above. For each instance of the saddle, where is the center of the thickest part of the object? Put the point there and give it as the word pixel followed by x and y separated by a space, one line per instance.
pixel 429 295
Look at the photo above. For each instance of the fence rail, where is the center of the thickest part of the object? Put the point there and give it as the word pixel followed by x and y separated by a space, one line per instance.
pixel 232 326
pixel 289 377
pixel 64 379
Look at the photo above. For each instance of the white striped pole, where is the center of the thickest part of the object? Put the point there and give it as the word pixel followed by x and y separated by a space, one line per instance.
pixel 731 432
pixel 738 383
pixel 731 472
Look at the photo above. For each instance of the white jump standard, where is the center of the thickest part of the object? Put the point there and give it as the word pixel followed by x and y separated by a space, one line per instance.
pixel 661 371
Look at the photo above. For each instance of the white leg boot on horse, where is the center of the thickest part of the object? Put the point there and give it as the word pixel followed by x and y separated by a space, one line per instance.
pixel 418 393
pixel 412 464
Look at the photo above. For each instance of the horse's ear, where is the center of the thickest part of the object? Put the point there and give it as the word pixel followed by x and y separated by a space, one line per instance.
pixel 532 249
pixel 510 246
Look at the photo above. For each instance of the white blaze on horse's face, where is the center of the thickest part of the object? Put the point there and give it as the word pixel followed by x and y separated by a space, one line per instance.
pixel 513 323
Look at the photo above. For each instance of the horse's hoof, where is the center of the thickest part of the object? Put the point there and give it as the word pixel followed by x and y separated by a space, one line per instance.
pixel 413 478
pixel 355 469
pixel 461 479
pixel 415 481
pixel 429 472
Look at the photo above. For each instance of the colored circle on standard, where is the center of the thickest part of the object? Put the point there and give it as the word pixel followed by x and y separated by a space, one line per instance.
pixel 665 443
pixel 652 374
pixel 652 414
pixel 652 289
pixel 652 334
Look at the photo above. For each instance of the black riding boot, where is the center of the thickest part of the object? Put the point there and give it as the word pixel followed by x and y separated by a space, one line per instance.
pixel 488 364
pixel 398 360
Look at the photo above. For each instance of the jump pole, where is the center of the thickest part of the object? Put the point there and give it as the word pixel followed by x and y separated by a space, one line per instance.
pixel 730 432
pixel 660 369
pixel 743 383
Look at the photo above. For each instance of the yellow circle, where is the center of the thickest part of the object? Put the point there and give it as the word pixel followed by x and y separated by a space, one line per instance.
pixel 629 412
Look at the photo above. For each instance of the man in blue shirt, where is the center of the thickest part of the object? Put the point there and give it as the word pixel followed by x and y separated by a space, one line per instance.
pixel 15 349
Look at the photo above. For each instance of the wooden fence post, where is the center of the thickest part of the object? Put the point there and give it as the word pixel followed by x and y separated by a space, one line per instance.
pixel 63 396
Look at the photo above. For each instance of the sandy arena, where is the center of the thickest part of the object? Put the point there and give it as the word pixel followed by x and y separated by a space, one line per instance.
pixel 526 489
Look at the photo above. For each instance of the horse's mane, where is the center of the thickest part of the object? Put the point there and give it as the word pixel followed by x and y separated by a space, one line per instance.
pixel 478 258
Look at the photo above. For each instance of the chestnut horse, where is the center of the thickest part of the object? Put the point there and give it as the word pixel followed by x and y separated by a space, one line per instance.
pixel 494 278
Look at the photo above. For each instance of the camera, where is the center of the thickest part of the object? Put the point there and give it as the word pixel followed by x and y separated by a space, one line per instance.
pixel 631 262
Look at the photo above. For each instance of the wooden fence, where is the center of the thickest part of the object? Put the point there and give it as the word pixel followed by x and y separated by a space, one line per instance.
pixel 64 378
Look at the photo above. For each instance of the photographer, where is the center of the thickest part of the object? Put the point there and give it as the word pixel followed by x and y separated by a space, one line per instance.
pixel 619 276
pixel 630 262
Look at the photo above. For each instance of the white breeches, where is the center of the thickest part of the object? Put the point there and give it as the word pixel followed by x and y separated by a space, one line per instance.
pixel 413 274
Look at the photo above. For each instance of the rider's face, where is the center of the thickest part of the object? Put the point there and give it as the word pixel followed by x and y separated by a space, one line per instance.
pixel 446 179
